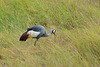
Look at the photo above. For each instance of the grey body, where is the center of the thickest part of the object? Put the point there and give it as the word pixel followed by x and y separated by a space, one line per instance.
pixel 37 28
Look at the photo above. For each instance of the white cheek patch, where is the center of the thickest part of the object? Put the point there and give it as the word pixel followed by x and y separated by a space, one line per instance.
pixel 32 33
pixel 54 31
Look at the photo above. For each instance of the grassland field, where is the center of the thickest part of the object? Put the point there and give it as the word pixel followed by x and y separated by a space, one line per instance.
pixel 77 39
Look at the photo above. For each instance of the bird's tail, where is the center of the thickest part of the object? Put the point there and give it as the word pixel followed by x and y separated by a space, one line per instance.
pixel 23 37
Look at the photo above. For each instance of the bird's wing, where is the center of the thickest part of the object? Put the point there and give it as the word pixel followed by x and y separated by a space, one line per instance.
pixel 36 28
pixel 24 37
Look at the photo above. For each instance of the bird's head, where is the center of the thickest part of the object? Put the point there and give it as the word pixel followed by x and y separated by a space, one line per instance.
pixel 53 32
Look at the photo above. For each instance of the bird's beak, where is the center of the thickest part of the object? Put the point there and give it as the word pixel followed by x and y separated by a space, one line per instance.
pixel 54 33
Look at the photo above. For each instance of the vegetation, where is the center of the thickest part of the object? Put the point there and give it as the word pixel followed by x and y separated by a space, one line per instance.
pixel 76 43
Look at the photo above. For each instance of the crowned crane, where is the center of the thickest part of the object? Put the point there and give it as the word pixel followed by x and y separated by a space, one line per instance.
pixel 36 32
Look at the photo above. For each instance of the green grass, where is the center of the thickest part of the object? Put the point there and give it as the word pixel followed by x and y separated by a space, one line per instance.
pixel 76 43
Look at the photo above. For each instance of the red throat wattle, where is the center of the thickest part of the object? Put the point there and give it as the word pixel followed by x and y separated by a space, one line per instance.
pixel 52 33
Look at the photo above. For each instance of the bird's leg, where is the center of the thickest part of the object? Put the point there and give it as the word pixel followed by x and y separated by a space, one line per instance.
pixel 35 42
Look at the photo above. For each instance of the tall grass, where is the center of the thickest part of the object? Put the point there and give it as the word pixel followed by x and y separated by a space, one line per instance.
pixel 76 43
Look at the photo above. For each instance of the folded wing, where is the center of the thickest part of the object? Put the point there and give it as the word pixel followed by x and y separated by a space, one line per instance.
pixel 24 37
